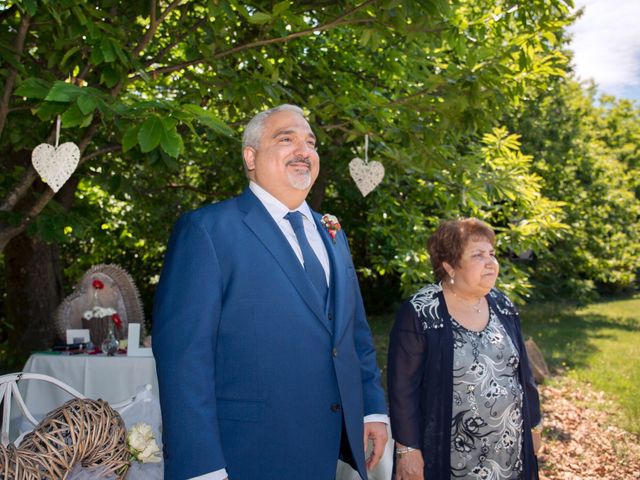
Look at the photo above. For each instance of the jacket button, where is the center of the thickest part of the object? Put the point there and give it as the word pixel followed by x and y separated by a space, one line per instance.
pixel 335 407
pixel 334 352
pixel 330 316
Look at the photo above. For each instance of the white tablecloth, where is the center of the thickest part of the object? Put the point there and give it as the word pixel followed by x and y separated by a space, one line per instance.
pixel 113 379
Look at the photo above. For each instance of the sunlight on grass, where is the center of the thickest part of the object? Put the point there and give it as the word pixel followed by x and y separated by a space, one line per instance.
pixel 598 344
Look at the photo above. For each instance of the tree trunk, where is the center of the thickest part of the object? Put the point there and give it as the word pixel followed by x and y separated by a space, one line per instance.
pixel 34 291
pixel 34 287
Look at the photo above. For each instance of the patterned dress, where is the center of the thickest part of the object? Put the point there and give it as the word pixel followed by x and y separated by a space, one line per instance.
pixel 486 426
pixel 466 399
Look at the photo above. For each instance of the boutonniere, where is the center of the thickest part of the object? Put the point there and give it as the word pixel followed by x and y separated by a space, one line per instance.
pixel 331 223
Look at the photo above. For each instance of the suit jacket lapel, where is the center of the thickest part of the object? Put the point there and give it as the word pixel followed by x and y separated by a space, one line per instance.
pixel 337 282
pixel 269 234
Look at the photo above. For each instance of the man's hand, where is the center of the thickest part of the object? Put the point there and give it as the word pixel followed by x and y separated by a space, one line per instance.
pixel 377 432
pixel 410 466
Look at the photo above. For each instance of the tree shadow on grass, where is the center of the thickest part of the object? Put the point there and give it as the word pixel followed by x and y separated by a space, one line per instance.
pixel 566 336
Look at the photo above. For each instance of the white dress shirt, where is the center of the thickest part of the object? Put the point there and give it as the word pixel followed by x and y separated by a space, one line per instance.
pixel 278 211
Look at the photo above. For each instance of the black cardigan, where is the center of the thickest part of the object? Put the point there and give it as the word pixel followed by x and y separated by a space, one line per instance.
pixel 420 379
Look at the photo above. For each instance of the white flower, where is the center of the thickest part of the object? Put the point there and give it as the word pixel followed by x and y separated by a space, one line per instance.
pixel 148 455
pixel 98 312
pixel 142 444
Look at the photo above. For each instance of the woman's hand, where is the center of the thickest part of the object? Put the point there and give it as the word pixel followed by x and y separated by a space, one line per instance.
pixel 536 436
pixel 410 466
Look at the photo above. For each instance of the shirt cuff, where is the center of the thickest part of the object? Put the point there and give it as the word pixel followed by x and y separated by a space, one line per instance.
pixel 377 417
pixel 217 475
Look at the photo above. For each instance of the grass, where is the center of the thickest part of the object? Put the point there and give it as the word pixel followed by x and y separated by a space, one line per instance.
pixel 598 345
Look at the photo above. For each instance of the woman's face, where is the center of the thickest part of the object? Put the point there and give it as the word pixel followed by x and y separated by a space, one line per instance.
pixel 477 270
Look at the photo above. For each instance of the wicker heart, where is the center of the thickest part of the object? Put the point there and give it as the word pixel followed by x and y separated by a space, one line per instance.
pixel 55 165
pixel 366 175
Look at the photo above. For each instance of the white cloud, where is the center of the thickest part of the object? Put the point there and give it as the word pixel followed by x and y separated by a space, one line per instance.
pixel 606 43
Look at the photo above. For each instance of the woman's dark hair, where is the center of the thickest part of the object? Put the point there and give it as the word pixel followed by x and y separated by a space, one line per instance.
pixel 449 240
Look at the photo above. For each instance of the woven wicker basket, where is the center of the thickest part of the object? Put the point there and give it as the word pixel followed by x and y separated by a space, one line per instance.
pixel 82 431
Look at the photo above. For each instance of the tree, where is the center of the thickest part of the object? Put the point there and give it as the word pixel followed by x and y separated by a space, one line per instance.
pixel 588 156
pixel 153 94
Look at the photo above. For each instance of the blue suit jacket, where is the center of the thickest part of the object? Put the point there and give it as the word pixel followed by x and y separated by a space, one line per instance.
pixel 251 366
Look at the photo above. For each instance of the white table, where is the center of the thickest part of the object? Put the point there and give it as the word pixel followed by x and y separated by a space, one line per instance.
pixel 113 379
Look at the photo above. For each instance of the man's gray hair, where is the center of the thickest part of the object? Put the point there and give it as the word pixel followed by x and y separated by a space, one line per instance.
pixel 255 127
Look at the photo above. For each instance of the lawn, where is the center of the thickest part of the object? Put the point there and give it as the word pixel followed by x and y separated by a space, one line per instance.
pixel 598 344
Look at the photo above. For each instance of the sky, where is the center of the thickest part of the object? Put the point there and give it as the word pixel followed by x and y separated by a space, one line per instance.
pixel 606 44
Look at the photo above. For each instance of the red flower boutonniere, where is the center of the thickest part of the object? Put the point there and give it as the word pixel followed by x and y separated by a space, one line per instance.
pixel 330 222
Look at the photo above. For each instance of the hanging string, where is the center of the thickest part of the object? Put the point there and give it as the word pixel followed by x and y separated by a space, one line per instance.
pixel 57 130
pixel 366 148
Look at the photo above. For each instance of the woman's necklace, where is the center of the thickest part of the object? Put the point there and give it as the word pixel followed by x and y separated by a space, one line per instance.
pixel 474 306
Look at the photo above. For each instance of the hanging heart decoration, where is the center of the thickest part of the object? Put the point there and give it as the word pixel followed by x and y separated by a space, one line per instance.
pixel 55 165
pixel 367 175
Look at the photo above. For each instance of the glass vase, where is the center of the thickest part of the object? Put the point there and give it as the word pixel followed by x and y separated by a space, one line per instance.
pixel 110 343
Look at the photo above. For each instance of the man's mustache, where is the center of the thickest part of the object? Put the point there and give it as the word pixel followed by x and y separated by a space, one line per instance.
pixel 306 161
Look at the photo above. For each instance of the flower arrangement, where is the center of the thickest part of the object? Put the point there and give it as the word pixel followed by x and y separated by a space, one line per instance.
pixel 142 444
pixel 330 222
pixel 98 311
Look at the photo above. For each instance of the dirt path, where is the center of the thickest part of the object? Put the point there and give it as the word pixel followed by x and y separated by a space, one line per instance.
pixel 580 442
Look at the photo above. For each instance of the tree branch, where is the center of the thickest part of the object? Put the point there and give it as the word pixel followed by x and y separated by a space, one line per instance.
pixel 153 25
pixel 102 151
pixel 8 12
pixel 177 40
pixel 13 73
pixel 341 20
pixel 19 190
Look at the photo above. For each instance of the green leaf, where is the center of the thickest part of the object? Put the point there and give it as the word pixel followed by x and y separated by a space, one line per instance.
pixel 31 6
pixel 79 15
pixel 130 138
pixel 169 162
pixel 33 88
pixel 110 76
pixel 150 134
pixel 209 119
pixel 280 7
pixel 73 117
pixel 172 143
pixel 87 104
pixel 63 92
pixel 96 56
pixel 8 55
pixel 47 110
pixel 108 52
pixel 260 18
pixel 68 55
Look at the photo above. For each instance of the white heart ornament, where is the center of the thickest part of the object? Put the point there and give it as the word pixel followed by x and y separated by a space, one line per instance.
pixel 367 175
pixel 55 165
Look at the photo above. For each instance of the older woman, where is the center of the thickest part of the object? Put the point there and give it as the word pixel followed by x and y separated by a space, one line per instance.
pixel 463 402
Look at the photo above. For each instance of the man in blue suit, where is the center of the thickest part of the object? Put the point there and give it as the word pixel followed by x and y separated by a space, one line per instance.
pixel 265 360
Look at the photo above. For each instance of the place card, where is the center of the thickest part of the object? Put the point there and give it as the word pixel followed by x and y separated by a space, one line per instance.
pixel 78 335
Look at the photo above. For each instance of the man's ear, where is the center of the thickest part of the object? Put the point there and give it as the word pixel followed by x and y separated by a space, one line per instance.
pixel 249 156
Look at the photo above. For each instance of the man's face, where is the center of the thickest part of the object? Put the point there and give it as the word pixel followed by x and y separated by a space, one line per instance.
pixel 286 161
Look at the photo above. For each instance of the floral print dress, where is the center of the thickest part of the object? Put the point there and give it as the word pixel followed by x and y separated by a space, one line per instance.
pixel 486 426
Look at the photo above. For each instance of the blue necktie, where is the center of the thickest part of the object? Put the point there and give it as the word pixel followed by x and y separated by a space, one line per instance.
pixel 312 265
